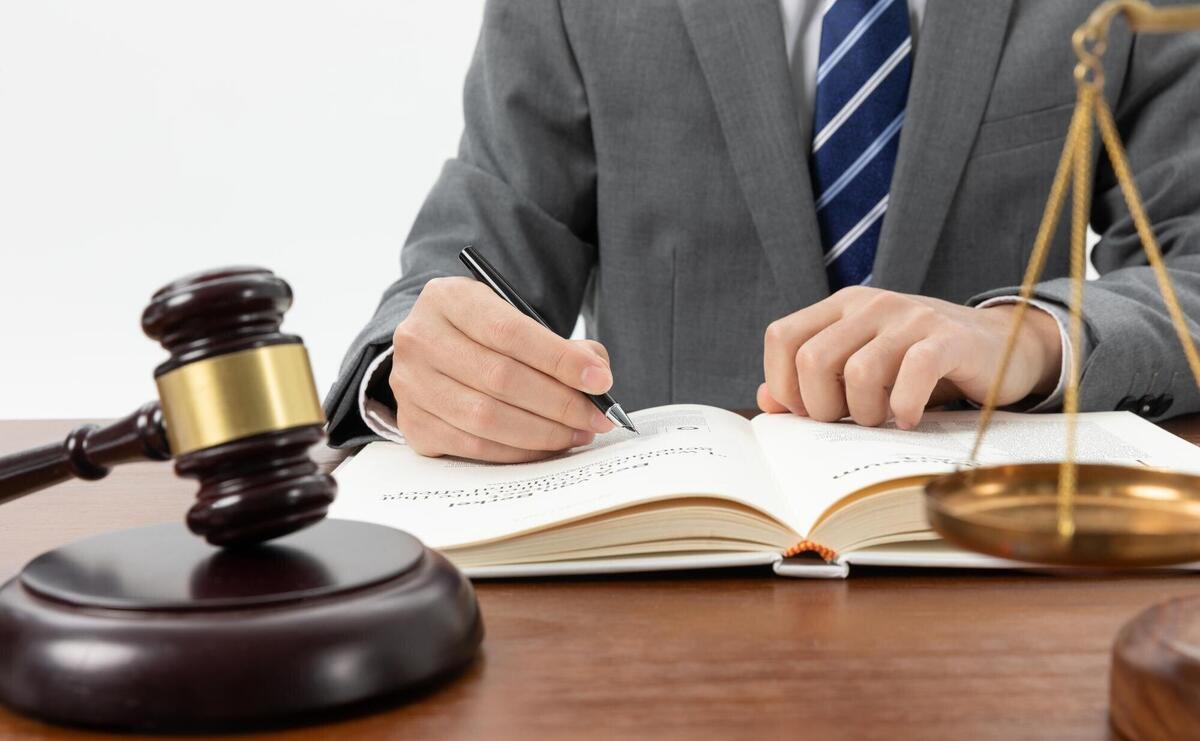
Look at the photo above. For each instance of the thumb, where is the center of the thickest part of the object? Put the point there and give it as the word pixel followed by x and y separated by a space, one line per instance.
pixel 595 347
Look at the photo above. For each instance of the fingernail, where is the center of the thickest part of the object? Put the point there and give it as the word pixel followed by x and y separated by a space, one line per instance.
pixel 595 378
pixel 600 423
pixel 581 438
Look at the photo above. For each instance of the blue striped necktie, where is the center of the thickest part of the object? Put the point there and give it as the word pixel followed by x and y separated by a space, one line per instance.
pixel 862 85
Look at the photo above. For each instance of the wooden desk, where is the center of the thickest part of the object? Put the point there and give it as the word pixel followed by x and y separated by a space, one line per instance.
pixel 892 654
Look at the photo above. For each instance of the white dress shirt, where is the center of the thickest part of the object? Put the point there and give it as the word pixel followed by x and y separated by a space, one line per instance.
pixel 802 38
pixel 802 31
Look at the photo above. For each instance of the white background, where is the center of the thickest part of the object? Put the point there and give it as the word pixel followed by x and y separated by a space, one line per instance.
pixel 144 139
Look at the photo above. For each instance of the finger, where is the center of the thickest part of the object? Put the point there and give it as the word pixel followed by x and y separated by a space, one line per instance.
pixel 430 436
pixel 511 381
pixel 492 419
pixel 785 336
pixel 782 339
pixel 597 348
pixel 925 363
pixel 490 321
pixel 870 373
pixel 820 364
pixel 869 376
pixel 767 403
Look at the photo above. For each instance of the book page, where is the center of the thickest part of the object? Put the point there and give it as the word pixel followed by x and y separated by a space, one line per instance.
pixel 682 450
pixel 818 463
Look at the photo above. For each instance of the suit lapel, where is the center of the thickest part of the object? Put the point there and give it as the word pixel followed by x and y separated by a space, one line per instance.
pixel 959 46
pixel 740 46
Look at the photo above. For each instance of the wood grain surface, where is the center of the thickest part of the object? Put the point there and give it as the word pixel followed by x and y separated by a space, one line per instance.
pixel 731 654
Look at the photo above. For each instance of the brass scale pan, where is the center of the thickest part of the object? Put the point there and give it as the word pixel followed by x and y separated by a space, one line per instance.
pixel 1123 516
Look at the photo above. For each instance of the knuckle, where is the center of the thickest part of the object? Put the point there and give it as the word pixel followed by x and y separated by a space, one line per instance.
pixel 924 313
pixel 923 355
pixel 560 359
pixel 810 358
pixel 503 330
pixel 776 333
pixel 856 293
pixel 883 301
pixel 570 408
pixel 434 289
pixel 804 359
pixel 481 413
pixel 498 376
pixel 920 318
pixel 556 437
pixel 404 336
pixel 861 371
pixel 397 382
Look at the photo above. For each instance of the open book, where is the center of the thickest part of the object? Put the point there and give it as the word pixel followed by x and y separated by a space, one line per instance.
pixel 702 487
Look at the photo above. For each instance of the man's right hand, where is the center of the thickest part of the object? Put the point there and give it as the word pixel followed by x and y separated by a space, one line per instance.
pixel 473 377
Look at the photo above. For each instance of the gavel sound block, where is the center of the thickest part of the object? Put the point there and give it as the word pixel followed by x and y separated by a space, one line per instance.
pixel 281 615
pixel 1155 679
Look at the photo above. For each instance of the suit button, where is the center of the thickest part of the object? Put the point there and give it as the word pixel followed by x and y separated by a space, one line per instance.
pixel 1128 404
pixel 1161 405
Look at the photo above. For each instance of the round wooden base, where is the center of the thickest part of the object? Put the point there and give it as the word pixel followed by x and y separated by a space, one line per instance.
pixel 153 629
pixel 1155 682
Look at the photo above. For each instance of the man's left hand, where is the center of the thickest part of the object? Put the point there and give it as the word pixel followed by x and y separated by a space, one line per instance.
pixel 873 354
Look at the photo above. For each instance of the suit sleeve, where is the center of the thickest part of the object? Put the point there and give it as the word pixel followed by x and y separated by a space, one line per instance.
pixel 1135 360
pixel 522 190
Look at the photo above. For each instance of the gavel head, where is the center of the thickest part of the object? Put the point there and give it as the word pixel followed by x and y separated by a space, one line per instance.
pixel 239 404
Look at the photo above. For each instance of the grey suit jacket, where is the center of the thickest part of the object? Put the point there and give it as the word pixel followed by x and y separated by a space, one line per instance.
pixel 642 161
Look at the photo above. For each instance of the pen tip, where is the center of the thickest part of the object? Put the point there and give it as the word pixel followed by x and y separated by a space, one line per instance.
pixel 618 416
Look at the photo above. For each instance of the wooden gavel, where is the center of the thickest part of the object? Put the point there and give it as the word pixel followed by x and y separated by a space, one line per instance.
pixel 237 410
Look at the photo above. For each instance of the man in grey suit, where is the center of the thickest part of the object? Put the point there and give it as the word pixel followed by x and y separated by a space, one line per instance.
pixel 820 206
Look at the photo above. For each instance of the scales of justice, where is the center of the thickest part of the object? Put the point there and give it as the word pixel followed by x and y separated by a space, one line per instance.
pixel 1092 515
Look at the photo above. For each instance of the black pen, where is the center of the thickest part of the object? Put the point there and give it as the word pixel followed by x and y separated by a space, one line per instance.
pixel 485 273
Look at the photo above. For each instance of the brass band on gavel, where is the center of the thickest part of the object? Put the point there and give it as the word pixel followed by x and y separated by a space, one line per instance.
pixel 228 397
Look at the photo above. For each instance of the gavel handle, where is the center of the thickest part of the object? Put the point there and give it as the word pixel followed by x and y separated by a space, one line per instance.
pixel 88 452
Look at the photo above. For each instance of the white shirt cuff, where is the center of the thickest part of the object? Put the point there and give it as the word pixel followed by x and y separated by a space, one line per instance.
pixel 1055 399
pixel 377 416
